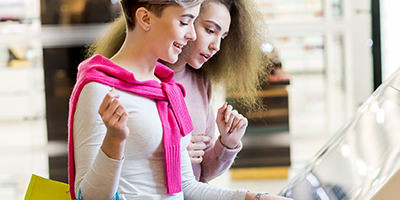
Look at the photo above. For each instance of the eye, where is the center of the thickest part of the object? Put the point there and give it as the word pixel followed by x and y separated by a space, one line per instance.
pixel 210 31
pixel 183 23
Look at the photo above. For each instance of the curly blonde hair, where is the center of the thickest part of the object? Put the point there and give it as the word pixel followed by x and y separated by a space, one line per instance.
pixel 240 65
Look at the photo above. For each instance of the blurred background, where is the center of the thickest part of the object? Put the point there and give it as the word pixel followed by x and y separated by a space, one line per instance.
pixel 328 55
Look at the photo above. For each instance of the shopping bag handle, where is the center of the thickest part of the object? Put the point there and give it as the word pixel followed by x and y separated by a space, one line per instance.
pixel 80 198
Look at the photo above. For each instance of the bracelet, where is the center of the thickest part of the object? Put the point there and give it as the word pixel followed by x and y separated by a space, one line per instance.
pixel 259 195
pixel 220 140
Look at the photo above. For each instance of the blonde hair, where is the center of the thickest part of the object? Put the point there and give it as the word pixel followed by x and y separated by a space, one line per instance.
pixel 240 64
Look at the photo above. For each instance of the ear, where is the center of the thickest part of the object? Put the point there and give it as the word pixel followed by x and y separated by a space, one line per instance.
pixel 143 18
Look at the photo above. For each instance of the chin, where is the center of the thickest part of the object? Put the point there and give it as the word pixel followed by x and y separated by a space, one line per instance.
pixel 174 60
pixel 171 59
pixel 196 65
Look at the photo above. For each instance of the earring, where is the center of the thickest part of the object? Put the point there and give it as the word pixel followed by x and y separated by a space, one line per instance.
pixel 147 28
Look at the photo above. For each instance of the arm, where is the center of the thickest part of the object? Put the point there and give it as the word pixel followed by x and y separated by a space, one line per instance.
pixel 97 168
pixel 214 158
pixel 194 190
pixel 217 158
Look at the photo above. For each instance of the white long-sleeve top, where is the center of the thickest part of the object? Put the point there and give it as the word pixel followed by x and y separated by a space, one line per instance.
pixel 141 174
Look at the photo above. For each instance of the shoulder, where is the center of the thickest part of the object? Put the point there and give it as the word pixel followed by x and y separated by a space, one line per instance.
pixel 93 93
pixel 95 89
pixel 200 77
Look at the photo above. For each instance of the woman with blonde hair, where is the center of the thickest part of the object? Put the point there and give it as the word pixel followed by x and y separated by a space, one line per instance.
pixel 219 19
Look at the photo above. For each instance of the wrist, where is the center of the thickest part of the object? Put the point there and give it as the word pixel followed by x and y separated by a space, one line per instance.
pixel 258 195
pixel 254 196
pixel 235 146
pixel 250 196
pixel 113 147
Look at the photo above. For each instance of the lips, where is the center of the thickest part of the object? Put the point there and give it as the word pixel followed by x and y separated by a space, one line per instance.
pixel 178 45
pixel 205 57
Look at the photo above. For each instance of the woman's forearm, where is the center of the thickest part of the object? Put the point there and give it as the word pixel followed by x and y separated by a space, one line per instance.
pixel 112 147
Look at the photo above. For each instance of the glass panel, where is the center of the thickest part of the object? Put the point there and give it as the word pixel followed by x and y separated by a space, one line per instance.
pixel 361 157
pixel 291 9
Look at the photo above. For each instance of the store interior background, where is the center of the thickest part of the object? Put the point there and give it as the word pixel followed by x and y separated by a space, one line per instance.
pixel 325 46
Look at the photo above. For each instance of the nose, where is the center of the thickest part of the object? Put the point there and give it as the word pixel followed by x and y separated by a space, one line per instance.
pixel 191 34
pixel 215 45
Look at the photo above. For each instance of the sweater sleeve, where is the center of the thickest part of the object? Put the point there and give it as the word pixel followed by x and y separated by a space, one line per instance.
pixel 194 190
pixel 217 158
pixel 97 175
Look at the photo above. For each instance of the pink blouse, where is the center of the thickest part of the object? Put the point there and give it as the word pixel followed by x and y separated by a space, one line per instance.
pixel 217 158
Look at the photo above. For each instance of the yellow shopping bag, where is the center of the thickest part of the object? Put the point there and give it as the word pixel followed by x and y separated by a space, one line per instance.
pixel 45 189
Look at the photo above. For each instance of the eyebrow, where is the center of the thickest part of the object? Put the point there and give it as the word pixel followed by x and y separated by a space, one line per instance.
pixel 216 25
pixel 188 15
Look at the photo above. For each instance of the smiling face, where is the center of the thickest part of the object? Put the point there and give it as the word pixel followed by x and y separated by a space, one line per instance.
pixel 212 26
pixel 171 31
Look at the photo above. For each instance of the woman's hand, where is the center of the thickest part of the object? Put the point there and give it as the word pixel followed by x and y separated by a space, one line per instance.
pixel 231 126
pixel 114 116
pixel 273 197
pixel 196 147
pixel 115 119
pixel 252 196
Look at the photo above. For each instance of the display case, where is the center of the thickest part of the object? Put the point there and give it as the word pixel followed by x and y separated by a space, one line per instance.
pixel 362 160
pixel 21 69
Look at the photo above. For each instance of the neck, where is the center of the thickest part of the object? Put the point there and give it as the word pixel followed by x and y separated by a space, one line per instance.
pixel 136 57
pixel 179 65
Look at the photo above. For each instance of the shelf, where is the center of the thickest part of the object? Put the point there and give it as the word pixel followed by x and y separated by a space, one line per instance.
pixel 71 35
pixel 260 173
pixel 21 80
pixel 279 92
pixel 23 106
pixel 276 112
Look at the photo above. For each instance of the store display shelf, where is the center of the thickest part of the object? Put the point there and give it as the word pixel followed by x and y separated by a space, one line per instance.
pixel 17 27
pixel 25 68
pixel 262 93
pixel 305 27
pixel 21 107
pixel 291 10
pixel 21 80
pixel 19 38
pixel 58 36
